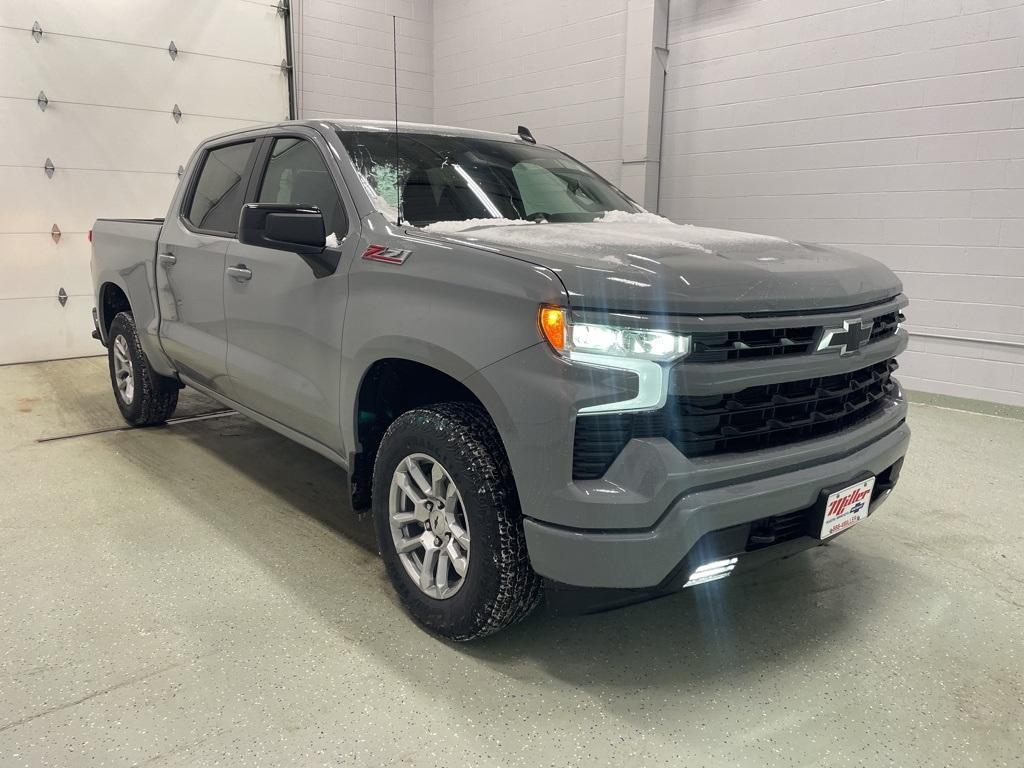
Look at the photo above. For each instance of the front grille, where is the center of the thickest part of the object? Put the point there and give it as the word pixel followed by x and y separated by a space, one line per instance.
pixel 766 416
pixel 712 347
pixel 726 346
pixel 886 325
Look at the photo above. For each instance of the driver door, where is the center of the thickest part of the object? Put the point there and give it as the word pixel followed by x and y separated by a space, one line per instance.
pixel 284 322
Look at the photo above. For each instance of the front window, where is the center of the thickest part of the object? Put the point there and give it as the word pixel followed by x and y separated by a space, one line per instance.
pixel 296 173
pixel 430 178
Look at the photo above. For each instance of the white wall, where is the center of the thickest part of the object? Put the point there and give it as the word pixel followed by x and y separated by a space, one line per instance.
pixel 108 129
pixel 895 128
pixel 555 67
pixel 345 52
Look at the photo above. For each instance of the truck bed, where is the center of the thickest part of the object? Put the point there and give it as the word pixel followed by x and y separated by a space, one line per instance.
pixel 120 244
pixel 124 256
pixel 160 220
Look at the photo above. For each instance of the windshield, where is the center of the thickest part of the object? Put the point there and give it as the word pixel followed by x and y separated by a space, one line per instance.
pixel 454 178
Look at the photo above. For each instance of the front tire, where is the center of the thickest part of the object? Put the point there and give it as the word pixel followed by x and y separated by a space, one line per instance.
pixel 448 523
pixel 144 397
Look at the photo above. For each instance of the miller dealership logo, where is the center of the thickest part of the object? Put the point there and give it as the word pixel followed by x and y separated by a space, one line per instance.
pixel 847 339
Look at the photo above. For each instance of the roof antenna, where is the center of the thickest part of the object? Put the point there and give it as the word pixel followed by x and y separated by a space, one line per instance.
pixel 525 135
pixel 398 190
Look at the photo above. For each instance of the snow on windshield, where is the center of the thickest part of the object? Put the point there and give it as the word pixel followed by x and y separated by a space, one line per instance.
pixel 431 178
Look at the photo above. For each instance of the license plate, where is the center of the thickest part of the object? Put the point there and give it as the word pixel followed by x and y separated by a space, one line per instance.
pixel 846 507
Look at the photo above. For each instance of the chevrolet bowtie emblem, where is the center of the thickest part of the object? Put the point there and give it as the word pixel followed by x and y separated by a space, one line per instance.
pixel 847 339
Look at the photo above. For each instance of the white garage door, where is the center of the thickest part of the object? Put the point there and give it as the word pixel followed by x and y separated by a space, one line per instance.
pixel 108 125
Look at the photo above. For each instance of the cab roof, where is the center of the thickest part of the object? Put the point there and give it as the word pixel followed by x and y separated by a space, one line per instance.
pixel 384 126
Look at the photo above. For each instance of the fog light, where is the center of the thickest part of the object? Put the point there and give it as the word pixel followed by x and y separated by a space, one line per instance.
pixel 718 569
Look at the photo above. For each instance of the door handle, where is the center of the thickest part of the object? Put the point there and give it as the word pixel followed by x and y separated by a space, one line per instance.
pixel 241 273
pixel 168 259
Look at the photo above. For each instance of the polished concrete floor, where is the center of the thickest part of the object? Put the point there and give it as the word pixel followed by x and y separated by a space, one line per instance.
pixel 201 595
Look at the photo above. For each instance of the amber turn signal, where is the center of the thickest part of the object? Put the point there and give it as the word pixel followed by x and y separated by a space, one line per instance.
pixel 552 325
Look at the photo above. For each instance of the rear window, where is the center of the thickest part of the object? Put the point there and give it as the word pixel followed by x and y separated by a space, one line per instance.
pixel 217 200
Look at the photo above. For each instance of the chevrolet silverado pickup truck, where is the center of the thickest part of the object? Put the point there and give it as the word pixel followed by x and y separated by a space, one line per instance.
pixel 533 383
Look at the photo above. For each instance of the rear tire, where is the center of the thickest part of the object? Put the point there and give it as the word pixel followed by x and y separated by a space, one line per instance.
pixel 498 586
pixel 144 397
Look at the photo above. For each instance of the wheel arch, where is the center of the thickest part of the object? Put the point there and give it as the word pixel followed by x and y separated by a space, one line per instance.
pixel 132 290
pixel 389 386
pixel 112 299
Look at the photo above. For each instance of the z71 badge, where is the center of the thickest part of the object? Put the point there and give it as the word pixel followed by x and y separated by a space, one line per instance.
pixel 386 255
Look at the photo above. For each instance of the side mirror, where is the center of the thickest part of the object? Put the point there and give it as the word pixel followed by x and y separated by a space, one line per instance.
pixel 285 227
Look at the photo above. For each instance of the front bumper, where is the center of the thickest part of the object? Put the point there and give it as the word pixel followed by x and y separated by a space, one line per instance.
pixel 705 525
pixel 635 526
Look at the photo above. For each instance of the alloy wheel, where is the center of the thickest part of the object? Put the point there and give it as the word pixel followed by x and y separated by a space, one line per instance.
pixel 429 525
pixel 124 377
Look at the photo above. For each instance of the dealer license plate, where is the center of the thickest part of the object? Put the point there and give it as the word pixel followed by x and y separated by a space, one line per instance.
pixel 846 507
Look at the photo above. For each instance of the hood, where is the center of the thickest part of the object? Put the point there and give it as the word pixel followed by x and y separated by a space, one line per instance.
pixel 641 262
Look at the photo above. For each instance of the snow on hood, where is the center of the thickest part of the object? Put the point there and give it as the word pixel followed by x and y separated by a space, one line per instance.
pixel 646 263
pixel 615 228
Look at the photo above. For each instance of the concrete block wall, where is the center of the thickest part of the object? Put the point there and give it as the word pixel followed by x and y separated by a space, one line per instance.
pixel 345 54
pixel 895 128
pixel 555 66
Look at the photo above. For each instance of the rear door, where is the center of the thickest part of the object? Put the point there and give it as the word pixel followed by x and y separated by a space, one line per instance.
pixel 191 261
pixel 285 313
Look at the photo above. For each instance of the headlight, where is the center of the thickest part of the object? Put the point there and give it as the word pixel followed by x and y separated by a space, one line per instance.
pixel 641 351
pixel 628 342
pixel 615 341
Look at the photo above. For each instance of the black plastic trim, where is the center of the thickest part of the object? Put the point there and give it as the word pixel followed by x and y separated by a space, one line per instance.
pixel 759 417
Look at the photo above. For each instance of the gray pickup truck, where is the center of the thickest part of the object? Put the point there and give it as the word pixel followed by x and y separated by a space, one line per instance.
pixel 531 381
